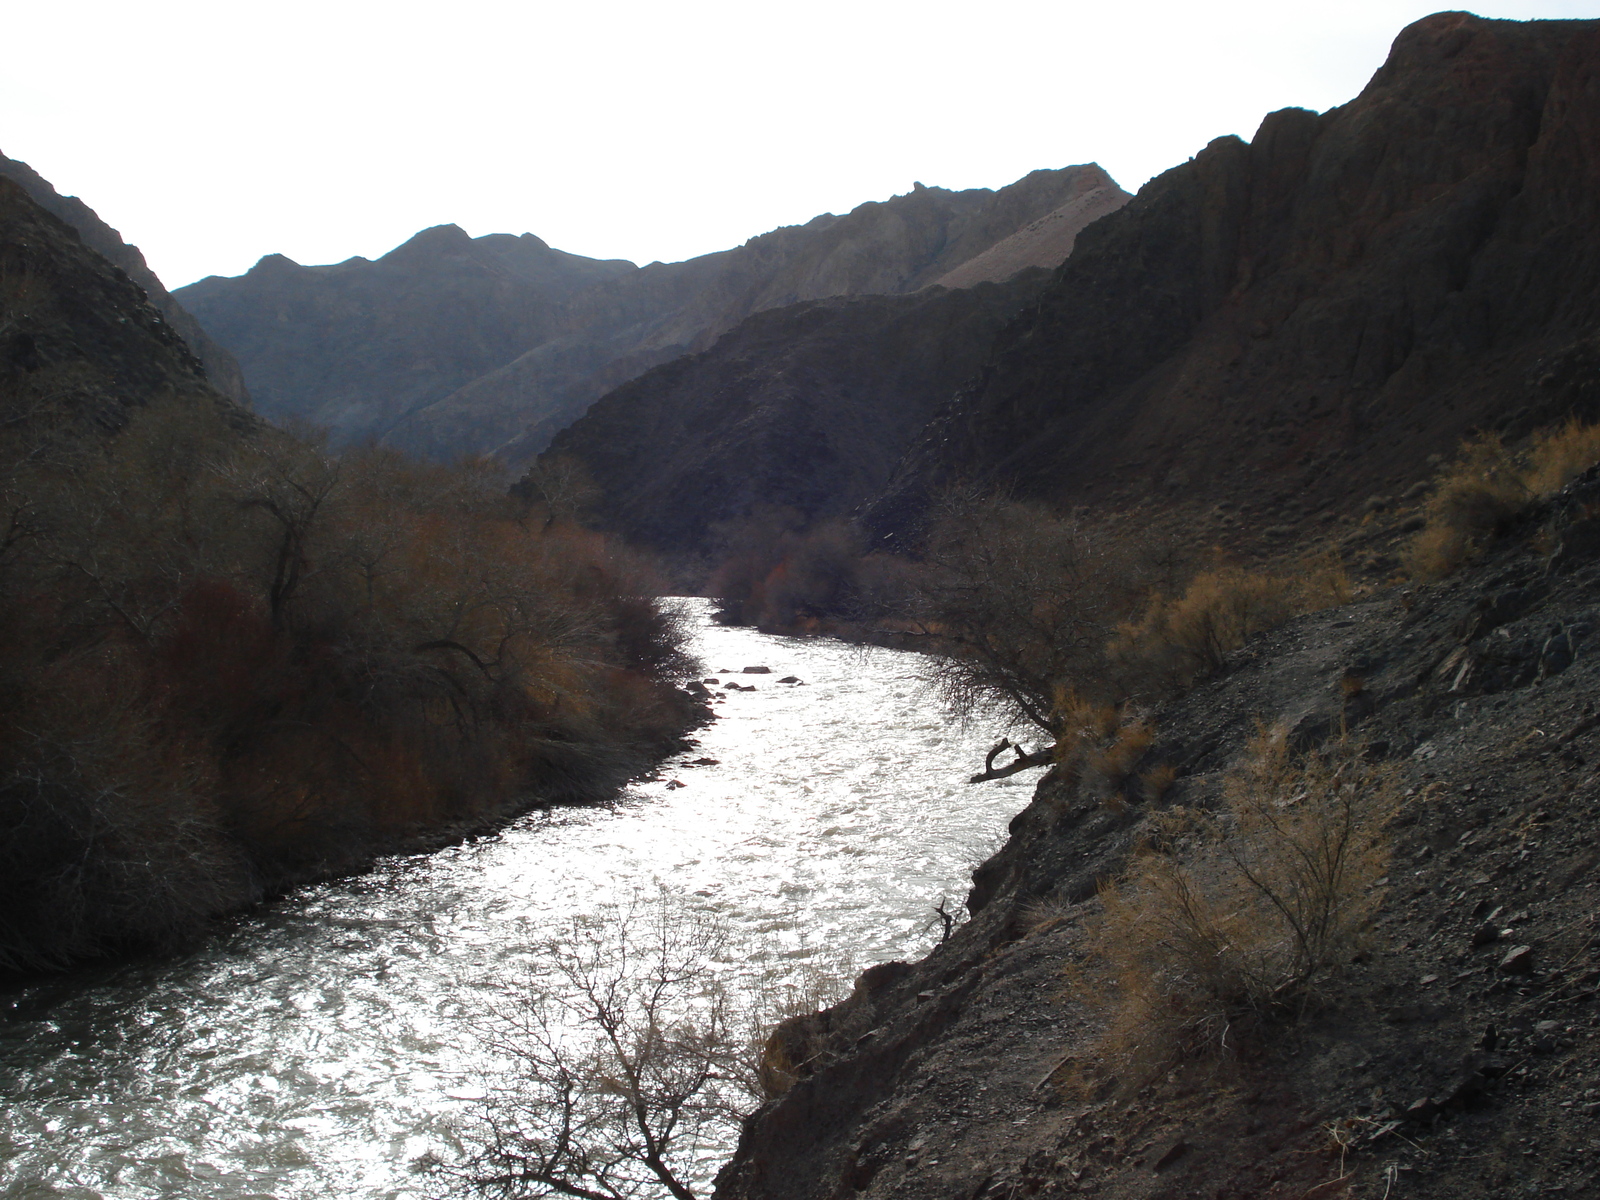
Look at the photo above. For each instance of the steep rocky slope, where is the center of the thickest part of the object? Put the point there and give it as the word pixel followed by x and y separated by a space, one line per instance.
pixel 359 345
pixel 1047 242
pixel 668 309
pixel 1309 315
pixel 805 407
pixel 80 342
pixel 1453 1059
pixel 221 368
pixel 451 345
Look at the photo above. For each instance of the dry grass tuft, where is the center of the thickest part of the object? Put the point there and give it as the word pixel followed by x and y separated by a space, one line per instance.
pixel 1157 781
pixel 1101 746
pixel 1478 496
pixel 1558 456
pixel 1180 639
pixel 1235 922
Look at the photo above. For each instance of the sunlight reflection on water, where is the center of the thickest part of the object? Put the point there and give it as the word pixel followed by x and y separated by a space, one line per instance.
pixel 319 1047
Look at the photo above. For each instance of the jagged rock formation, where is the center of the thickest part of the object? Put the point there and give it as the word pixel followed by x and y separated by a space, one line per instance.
pixel 1313 313
pixel 451 345
pixel 806 407
pixel 221 368
pixel 360 345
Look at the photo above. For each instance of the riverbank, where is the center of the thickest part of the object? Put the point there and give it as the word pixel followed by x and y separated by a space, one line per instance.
pixel 322 1044
pixel 238 661
pixel 1453 1059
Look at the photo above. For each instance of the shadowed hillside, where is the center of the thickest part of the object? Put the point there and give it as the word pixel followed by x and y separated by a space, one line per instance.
pixel 805 407
pixel 1301 320
pixel 360 345
pixel 221 368
pixel 235 662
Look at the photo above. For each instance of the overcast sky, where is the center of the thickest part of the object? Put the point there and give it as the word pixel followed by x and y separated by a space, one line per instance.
pixel 211 132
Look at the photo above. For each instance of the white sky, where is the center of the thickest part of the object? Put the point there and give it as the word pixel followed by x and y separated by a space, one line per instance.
pixel 211 132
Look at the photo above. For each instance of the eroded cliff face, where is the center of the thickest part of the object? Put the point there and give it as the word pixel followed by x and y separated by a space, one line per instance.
pixel 453 345
pixel 1311 314
pixel 221 368
pixel 804 407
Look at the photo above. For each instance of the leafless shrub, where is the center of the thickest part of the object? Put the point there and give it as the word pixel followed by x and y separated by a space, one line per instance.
pixel 1014 603
pixel 347 650
pixel 109 830
pixel 1230 923
pixel 629 1054
pixel 559 487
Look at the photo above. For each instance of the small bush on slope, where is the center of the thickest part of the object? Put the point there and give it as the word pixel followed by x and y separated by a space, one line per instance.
pixel 1179 639
pixel 1229 923
pixel 1488 486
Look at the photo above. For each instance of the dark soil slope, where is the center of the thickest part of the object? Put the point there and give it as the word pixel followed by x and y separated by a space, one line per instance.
pixel 805 407
pixel 1311 314
pixel 1454 1060
pixel 221 368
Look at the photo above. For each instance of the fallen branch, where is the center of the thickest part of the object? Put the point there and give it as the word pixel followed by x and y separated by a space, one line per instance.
pixel 1022 762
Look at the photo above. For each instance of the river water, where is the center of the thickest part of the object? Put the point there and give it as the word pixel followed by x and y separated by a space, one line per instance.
pixel 319 1047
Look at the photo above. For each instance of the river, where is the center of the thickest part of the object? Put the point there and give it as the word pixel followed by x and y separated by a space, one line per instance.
pixel 319 1046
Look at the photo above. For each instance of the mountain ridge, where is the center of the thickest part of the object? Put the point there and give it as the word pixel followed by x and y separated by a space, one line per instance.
pixel 1314 312
pixel 326 343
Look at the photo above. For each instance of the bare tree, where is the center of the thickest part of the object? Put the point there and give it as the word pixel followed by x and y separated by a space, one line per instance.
pixel 629 1057
pixel 1015 604
pixel 562 485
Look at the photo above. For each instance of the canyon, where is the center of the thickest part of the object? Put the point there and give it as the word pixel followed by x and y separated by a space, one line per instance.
pixel 1266 361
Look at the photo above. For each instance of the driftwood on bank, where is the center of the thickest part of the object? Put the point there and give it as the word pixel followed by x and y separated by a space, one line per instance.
pixel 1024 760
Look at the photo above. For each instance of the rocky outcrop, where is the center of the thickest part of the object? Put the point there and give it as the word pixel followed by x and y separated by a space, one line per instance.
pixel 221 368
pixel 805 407
pixel 453 345
pixel 1313 313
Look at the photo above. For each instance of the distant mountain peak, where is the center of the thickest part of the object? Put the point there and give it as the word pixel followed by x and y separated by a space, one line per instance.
pixel 451 344
pixel 273 262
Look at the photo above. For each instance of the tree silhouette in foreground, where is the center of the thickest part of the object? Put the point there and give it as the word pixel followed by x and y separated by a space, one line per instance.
pixel 629 1056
